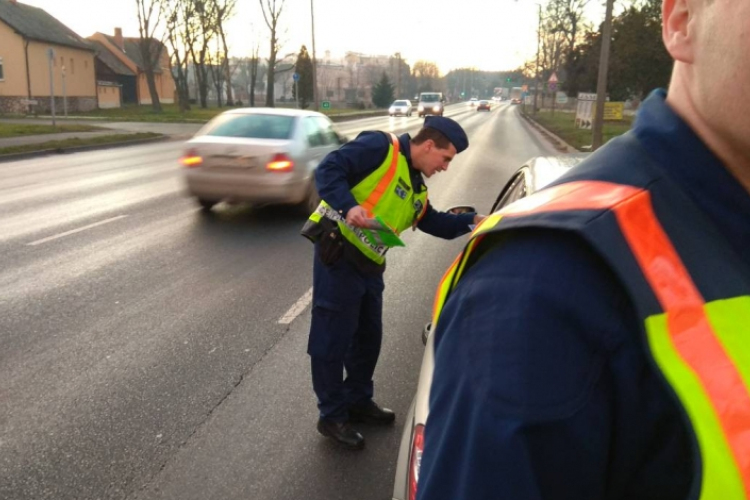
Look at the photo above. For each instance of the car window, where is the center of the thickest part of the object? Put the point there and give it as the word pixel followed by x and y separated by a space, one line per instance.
pixel 402 103
pixel 256 126
pixel 312 132
pixel 514 190
pixel 327 134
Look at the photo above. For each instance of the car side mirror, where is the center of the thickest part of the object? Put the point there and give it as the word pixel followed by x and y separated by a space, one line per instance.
pixel 462 209
pixel 426 332
pixel 342 138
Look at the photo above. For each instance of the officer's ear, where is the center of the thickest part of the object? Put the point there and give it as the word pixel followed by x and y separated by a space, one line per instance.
pixel 678 30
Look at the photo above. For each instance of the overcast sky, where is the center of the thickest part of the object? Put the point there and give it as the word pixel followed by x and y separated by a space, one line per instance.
pixel 487 34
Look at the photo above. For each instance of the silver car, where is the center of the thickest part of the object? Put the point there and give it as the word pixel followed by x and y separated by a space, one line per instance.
pixel 259 155
pixel 401 107
pixel 533 175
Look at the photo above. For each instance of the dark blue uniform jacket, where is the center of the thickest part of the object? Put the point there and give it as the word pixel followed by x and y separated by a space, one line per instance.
pixel 543 388
pixel 344 168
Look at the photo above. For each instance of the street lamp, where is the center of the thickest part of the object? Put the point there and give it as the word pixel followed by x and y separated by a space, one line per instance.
pixel 314 64
pixel 601 83
pixel 538 37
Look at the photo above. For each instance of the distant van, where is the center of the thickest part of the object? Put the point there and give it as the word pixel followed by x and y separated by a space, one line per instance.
pixel 431 103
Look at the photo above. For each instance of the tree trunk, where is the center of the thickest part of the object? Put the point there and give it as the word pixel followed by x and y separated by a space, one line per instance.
pixel 270 75
pixel 227 74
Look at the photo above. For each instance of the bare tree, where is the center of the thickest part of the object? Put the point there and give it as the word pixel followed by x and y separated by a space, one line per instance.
pixel 225 9
pixel 271 13
pixel 149 17
pixel 199 49
pixel 256 72
pixel 181 32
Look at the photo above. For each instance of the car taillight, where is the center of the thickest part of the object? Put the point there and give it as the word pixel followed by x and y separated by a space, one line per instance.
pixel 280 163
pixel 191 159
pixel 415 462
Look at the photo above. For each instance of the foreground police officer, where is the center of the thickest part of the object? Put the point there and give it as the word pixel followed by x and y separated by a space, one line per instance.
pixel 606 352
pixel 377 174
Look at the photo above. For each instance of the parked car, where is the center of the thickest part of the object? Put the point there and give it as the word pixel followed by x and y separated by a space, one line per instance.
pixel 473 101
pixel 483 106
pixel 401 107
pixel 259 155
pixel 530 177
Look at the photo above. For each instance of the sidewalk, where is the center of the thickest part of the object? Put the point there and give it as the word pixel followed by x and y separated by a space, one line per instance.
pixel 23 140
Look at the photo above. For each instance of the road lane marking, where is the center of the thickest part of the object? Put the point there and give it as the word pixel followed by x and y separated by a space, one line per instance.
pixel 73 231
pixel 297 308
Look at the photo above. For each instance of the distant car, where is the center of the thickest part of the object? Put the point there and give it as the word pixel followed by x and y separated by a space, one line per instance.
pixel 400 107
pixel 258 155
pixel 515 100
pixel 473 101
pixel 483 106
pixel 530 177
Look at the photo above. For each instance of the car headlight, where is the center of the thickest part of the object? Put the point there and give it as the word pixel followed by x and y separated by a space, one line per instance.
pixel 436 108
pixel 391 110
pixel 421 108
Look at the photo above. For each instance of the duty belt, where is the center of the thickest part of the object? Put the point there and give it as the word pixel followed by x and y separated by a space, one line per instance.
pixel 330 213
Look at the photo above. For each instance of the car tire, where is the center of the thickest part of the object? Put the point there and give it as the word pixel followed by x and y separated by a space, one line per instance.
pixel 206 205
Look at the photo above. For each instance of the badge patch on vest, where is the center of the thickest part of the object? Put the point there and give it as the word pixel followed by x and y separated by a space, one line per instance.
pixel 418 206
pixel 401 192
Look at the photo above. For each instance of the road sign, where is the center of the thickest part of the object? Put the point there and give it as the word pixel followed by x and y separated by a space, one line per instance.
pixel 552 78
pixel 326 104
pixel 295 77
pixel 29 102
pixel 562 98
pixel 613 110
pixel 552 86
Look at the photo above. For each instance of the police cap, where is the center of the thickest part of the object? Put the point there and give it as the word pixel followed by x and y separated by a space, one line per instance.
pixel 450 129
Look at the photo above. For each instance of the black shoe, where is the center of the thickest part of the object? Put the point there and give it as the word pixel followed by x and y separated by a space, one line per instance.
pixel 370 413
pixel 342 433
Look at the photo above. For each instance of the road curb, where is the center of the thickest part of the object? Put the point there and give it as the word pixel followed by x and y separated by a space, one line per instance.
pixel 78 149
pixel 555 140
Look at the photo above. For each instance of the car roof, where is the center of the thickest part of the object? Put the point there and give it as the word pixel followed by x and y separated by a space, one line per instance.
pixel 272 111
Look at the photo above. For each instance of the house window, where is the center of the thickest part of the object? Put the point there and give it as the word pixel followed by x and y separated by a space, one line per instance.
pixel 2 72
pixel 72 67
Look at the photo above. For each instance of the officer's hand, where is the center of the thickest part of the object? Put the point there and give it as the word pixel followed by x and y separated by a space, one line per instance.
pixel 356 216
pixel 479 218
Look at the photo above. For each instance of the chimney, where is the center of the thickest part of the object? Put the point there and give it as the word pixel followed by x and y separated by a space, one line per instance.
pixel 118 39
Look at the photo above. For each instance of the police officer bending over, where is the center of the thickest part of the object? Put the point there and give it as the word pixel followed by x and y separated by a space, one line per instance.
pixel 377 174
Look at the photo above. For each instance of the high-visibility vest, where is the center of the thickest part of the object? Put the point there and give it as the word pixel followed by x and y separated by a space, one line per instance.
pixel 388 193
pixel 689 288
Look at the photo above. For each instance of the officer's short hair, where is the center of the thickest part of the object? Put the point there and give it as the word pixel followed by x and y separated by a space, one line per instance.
pixel 440 140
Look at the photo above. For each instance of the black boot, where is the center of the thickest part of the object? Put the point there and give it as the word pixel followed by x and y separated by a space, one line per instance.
pixel 342 433
pixel 370 413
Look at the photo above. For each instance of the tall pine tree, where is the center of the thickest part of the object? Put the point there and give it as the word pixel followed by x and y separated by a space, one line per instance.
pixel 382 93
pixel 303 90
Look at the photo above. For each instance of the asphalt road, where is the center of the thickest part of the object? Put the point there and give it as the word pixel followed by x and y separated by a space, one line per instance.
pixel 143 355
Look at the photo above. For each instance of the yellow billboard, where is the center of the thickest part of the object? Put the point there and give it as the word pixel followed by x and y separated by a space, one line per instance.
pixel 613 110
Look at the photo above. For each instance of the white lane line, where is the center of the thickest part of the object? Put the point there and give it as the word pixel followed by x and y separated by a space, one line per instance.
pixel 73 231
pixel 297 308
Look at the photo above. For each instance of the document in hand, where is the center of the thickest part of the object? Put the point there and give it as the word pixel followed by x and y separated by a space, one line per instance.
pixel 378 232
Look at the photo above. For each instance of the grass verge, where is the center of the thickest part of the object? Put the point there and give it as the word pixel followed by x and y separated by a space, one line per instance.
pixel 563 125
pixel 76 142
pixel 21 129
pixel 171 113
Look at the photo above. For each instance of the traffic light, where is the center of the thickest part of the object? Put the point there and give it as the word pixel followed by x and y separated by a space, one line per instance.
pixel 509 79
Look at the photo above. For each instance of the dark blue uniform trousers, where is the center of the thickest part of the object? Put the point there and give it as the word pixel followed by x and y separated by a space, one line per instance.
pixel 345 333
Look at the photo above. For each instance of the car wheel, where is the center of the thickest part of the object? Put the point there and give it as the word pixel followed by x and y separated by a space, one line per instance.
pixel 206 205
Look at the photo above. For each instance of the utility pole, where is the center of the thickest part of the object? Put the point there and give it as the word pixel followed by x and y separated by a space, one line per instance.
pixel 538 38
pixel 50 60
pixel 314 63
pixel 601 83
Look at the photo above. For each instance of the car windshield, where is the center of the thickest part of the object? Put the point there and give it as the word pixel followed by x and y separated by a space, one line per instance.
pixel 255 126
pixel 429 98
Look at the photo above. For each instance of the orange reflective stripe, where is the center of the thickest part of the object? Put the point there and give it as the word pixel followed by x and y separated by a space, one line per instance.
pixel 377 193
pixel 589 195
pixel 689 327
